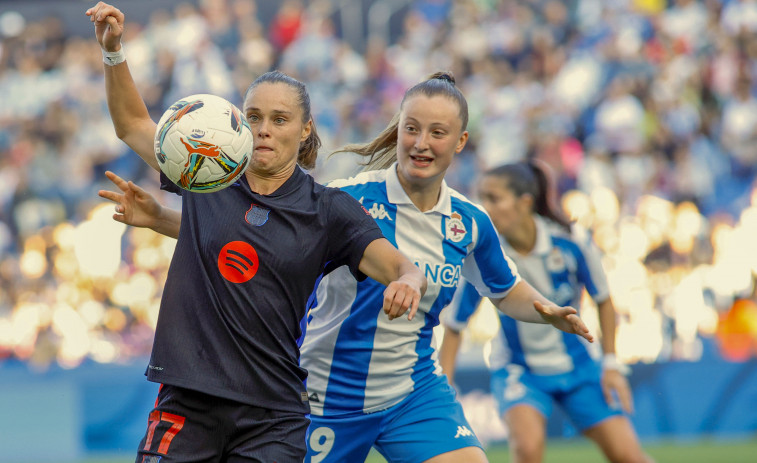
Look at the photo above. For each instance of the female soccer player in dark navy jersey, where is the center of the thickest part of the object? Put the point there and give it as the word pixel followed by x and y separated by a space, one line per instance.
pixel 246 260
pixel 373 382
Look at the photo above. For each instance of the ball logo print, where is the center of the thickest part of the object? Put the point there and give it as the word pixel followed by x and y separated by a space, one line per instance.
pixel 238 262
pixel 202 143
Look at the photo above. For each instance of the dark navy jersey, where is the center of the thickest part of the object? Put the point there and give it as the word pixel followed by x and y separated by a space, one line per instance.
pixel 238 285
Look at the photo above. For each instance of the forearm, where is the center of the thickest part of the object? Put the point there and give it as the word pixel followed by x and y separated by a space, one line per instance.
pixel 385 264
pixel 606 312
pixel 409 273
pixel 168 223
pixel 129 114
pixel 448 352
pixel 519 303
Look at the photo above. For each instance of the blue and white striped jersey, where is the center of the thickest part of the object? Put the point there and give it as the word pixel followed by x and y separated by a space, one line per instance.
pixel 560 266
pixel 357 360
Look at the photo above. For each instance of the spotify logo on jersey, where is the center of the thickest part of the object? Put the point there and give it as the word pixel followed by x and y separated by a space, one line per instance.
pixel 238 262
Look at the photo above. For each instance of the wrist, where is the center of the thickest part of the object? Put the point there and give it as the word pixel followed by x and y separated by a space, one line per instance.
pixel 112 58
pixel 611 362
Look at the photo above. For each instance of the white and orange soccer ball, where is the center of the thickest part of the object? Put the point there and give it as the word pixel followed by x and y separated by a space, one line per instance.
pixel 203 143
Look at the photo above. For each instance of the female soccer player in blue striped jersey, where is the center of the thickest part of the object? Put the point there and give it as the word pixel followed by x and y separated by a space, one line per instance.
pixel 535 365
pixel 226 343
pixel 374 381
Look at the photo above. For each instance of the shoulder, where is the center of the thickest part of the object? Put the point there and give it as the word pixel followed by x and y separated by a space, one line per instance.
pixel 361 179
pixel 578 239
pixel 467 208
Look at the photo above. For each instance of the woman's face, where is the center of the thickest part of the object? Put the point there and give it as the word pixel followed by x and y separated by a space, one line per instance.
pixel 428 136
pixel 275 117
pixel 507 211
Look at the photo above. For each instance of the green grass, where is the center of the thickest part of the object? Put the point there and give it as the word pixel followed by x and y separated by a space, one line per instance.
pixel 664 452
pixel 581 451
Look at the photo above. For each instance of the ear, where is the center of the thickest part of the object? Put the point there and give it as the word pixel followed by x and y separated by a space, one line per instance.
pixel 306 130
pixel 461 142
pixel 527 200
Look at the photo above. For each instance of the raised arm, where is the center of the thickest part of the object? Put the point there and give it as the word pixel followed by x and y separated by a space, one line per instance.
pixel 138 208
pixel 521 301
pixel 405 283
pixel 127 109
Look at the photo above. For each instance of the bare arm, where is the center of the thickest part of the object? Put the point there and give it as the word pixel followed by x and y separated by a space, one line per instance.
pixel 127 109
pixel 405 283
pixel 448 352
pixel 521 301
pixel 136 207
pixel 614 382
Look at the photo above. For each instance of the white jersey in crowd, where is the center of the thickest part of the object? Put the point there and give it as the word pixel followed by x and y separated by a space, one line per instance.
pixel 359 361
pixel 560 266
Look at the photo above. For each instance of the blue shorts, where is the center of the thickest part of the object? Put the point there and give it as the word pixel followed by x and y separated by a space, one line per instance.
pixel 582 399
pixel 427 423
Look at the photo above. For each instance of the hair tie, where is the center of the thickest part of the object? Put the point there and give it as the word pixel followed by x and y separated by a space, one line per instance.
pixel 446 77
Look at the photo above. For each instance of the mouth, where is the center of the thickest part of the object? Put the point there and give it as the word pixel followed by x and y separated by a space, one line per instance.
pixel 421 160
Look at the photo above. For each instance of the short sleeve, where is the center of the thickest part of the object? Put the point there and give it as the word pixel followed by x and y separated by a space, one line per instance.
pixel 167 185
pixel 487 267
pixel 464 303
pixel 351 230
pixel 589 269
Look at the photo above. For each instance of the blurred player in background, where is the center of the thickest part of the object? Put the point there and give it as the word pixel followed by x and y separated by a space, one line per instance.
pixel 226 343
pixel 534 365
pixel 373 383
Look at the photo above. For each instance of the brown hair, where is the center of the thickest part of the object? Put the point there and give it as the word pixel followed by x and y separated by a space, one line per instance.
pixel 530 177
pixel 309 148
pixel 382 150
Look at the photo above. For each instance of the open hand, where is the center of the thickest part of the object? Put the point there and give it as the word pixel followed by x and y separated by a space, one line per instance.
pixel 134 206
pixel 564 318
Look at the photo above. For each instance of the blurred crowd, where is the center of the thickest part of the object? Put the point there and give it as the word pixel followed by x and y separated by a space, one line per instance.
pixel 644 109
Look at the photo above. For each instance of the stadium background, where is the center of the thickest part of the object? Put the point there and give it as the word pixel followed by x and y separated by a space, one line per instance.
pixel 644 109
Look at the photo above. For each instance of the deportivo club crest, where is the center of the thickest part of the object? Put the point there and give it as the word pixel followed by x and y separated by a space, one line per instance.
pixel 257 215
pixel 455 228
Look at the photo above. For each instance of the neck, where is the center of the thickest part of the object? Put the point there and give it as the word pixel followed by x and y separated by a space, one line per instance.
pixel 523 240
pixel 423 194
pixel 265 183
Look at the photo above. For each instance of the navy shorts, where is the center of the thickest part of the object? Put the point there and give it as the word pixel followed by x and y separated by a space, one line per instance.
pixel 190 426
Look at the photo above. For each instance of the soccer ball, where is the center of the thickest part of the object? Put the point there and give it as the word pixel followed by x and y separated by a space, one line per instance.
pixel 203 143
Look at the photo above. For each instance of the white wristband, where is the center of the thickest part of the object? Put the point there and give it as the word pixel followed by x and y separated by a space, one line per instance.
pixel 610 362
pixel 111 58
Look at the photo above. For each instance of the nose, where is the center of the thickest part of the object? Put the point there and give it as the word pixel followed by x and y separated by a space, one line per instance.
pixel 263 130
pixel 421 142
